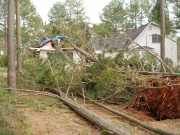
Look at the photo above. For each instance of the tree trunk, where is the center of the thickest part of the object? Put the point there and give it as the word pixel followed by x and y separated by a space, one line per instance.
pixel 162 24
pixel 18 38
pixel 86 54
pixel 11 47
pixel 5 35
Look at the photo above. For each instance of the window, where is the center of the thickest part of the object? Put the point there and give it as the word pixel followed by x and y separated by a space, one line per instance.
pixel 156 38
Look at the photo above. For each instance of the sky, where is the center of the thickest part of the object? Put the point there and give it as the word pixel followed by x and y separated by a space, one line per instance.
pixel 93 8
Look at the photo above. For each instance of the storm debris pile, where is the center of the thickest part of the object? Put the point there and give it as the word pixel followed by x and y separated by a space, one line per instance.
pixel 160 98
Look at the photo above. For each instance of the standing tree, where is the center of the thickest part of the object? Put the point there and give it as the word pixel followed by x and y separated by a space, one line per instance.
pixel 68 19
pixel 134 13
pixel 162 24
pixel 3 22
pixel 31 24
pixel 114 14
pixel 114 19
pixel 18 37
pixel 11 47
pixel 120 15
pixel 156 16
pixel 177 13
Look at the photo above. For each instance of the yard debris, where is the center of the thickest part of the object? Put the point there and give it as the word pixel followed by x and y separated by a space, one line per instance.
pixel 160 98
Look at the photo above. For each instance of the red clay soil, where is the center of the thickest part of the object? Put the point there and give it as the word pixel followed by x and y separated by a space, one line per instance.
pixel 161 98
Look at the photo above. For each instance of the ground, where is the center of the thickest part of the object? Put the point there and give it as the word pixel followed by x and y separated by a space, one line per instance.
pixel 47 116
pixel 42 115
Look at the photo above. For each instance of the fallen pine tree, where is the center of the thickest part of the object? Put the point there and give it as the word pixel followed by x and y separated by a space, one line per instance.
pixel 84 112
pixel 95 119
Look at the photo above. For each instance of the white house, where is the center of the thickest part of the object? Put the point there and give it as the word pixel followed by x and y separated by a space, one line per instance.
pixel 147 36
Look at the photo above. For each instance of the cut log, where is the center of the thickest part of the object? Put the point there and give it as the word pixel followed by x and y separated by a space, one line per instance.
pixel 87 114
pixel 131 119
pixel 158 73
pixel 95 119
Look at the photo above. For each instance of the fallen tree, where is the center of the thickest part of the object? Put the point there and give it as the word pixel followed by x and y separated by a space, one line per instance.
pixel 85 113
pixel 93 118
pixel 129 118
pixel 86 54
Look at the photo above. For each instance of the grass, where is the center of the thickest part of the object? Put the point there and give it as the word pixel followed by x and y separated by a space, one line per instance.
pixel 39 103
pixel 3 77
pixel 11 121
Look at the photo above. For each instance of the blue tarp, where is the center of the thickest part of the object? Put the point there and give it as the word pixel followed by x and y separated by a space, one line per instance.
pixel 45 40
pixel 57 37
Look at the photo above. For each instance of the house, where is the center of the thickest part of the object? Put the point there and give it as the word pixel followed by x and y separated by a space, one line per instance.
pixel 109 46
pixel 55 44
pixel 45 47
pixel 147 36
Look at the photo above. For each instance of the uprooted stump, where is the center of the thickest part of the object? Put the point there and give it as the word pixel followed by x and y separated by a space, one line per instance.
pixel 161 98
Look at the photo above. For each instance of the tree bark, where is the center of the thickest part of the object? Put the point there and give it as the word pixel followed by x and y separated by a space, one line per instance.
pixel 162 24
pixel 86 54
pixel 11 47
pixel 18 38
pixel 5 35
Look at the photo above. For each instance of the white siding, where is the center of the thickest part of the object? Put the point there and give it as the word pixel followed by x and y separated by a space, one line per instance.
pixel 171 50
pixel 145 39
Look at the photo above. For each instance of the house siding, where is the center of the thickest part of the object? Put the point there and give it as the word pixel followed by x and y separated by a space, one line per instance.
pixel 145 39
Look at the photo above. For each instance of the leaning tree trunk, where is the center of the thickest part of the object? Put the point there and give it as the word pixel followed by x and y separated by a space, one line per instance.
pixel 11 47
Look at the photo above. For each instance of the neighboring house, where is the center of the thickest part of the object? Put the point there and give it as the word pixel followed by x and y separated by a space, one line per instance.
pixel 48 45
pixel 45 47
pixel 147 36
pixel 109 46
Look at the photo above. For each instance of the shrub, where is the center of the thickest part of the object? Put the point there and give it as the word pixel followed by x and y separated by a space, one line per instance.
pixel 56 72
pixel 116 79
pixel 105 80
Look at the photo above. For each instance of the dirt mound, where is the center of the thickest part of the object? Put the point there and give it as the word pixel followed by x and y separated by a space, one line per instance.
pixel 161 98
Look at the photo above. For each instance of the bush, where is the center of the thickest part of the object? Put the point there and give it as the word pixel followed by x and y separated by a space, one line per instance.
pixel 105 80
pixel 116 79
pixel 56 72
pixel 108 79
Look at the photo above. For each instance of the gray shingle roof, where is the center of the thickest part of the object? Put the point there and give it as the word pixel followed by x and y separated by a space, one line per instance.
pixel 120 42
pixel 133 33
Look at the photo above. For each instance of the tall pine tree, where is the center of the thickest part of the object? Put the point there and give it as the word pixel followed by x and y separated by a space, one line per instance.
pixel 155 17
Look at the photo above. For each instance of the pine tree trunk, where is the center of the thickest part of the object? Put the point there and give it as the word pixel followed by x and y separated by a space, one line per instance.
pixel 11 47
pixel 162 24
pixel 5 35
pixel 18 38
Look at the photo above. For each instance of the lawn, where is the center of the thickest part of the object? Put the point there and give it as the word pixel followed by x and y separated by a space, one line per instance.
pixel 11 122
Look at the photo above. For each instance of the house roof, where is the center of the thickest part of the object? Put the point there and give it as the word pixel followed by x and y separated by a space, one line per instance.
pixel 119 42
pixel 116 42
pixel 122 41
pixel 133 33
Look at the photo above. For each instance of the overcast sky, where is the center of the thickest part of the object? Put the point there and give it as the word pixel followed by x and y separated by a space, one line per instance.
pixel 93 8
